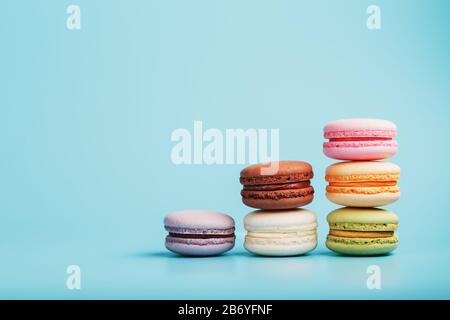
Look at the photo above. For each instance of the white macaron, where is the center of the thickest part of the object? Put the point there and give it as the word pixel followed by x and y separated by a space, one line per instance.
pixel 280 232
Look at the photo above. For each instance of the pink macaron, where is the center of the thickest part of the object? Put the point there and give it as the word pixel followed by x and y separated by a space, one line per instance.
pixel 360 139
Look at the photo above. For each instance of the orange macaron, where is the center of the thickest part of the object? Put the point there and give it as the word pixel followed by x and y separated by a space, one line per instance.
pixel 363 183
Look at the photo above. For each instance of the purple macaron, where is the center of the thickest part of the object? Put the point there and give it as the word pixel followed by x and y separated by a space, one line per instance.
pixel 199 232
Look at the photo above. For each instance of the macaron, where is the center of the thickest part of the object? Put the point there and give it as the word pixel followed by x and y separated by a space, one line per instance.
pixel 362 231
pixel 199 232
pixel 277 185
pixel 280 233
pixel 363 183
pixel 360 139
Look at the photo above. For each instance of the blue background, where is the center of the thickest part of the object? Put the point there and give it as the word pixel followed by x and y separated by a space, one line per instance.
pixel 86 117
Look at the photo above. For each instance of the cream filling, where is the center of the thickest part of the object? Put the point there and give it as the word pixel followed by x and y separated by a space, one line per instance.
pixel 364 226
pixel 280 235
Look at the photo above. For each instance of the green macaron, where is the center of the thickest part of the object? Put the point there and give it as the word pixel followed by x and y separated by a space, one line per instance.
pixel 362 231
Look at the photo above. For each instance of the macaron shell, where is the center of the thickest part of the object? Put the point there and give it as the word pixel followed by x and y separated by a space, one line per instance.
pixel 199 219
pixel 284 172
pixel 281 247
pixel 281 203
pixel 199 247
pixel 361 127
pixel 362 168
pixel 360 151
pixel 361 246
pixel 360 234
pixel 362 216
pixel 280 221
pixel 363 200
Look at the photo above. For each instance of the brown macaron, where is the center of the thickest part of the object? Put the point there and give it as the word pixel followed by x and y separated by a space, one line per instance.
pixel 277 185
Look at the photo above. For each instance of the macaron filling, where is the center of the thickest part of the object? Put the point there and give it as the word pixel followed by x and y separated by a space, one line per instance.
pixel 342 134
pixel 281 186
pixel 197 231
pixel 359 139
pixel 180 234
pixel 193 236
pixel 364 184
pixel 200 236
pixel 361 234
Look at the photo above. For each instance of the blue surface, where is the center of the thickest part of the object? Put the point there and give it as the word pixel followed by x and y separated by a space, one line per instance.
pixel 86 116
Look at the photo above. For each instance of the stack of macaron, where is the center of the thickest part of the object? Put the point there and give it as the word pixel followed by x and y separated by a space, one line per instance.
pixel 277 189
pixel 361 182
